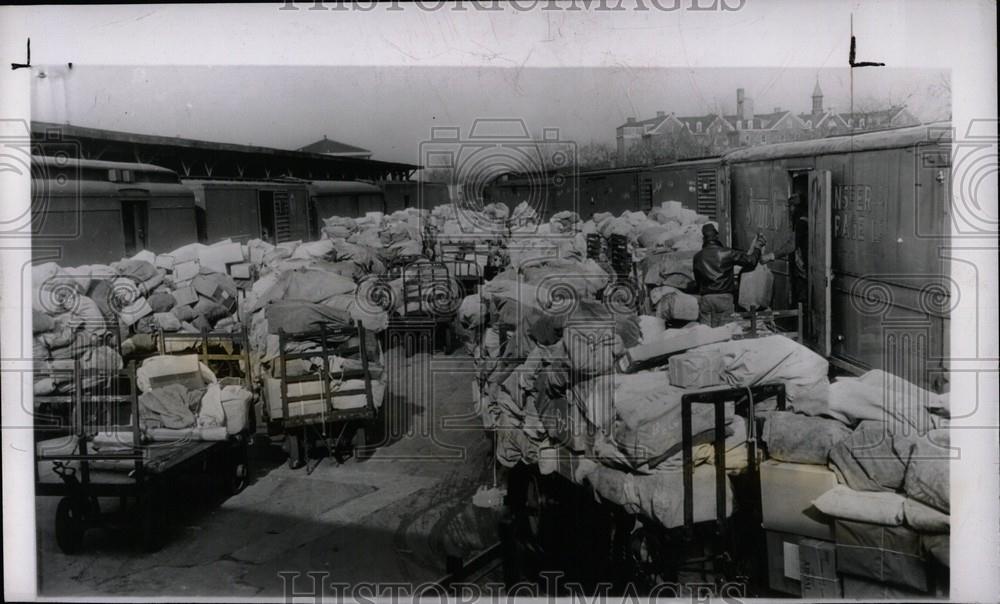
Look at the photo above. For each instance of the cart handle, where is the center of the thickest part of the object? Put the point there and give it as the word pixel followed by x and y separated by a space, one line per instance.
pixel 718 398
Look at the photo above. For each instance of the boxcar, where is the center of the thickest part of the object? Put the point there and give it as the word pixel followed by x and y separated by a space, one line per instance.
pixel 346 198
pixel 273 210
pixel 403 194
pixel 87 211
pixel 586 193
pixel 877 286
pixel 694 183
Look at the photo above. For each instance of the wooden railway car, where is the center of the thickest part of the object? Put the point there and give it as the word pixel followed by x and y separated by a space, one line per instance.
pixel 694 183
pixel 876 285
pixel 88 211
pixel 403 194
pixel 275 210
pixel 344 198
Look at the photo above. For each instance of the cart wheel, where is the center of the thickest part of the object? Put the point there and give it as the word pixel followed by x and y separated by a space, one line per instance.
pixel 69 526
pixel 239 474
pixel 363 450
pixel 295 444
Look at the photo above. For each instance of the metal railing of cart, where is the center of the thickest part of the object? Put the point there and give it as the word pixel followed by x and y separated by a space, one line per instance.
pixel 329 423
pixel 429 293
pixel 103 454
pixel 466 262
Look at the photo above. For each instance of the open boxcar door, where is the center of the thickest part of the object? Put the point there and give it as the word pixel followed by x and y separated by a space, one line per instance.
pixel 820 258
pixel 722 214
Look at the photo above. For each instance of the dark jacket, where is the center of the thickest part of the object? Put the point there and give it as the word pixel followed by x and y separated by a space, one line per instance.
pixel 713 267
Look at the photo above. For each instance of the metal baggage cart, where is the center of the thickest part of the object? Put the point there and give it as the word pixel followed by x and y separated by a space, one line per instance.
pixel 465 262
pixel 306 417
pixel 429 293
pixel 103 454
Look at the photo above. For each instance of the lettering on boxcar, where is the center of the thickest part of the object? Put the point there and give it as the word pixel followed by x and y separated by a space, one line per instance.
pixel 764 214
pixel 858 213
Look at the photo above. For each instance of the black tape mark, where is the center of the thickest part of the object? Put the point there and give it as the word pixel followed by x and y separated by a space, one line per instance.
pixel 860 63
pixel 15 66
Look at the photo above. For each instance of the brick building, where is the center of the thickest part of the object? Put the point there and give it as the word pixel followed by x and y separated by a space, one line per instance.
pixel 712 134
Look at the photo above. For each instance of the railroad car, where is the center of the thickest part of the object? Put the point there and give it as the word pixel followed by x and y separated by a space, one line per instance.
pixel 344 198
pixel 89 211
pixel 403 194
pixel 276 210
pixel 875 207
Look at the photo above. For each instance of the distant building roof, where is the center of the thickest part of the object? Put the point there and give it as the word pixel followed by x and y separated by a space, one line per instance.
pixel 878 115
pixel 326 146
pixel 763 121
pixel 653 120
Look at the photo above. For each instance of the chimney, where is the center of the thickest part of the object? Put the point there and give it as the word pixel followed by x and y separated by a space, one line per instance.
pixel 630 120
pixel 777 109
pixel 661 114
pixel 739 103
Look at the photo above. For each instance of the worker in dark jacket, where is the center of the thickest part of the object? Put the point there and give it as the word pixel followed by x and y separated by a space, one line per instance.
pixel 713 272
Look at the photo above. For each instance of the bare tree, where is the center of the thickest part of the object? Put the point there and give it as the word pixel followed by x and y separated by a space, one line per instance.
pixel 666 147
pixel 445 175
pixel 596 155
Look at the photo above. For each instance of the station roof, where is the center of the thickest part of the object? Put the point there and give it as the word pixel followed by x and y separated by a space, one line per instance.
pixel 200 158
pixel 327 146
pixel 45 160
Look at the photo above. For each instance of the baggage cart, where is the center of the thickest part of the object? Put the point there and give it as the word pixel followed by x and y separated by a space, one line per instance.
pixel 104 454
pixel 430 294
pixel 546 512
pixel 315 406
pixel 466 262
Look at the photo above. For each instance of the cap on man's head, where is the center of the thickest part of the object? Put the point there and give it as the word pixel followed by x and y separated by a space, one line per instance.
pixel 709 231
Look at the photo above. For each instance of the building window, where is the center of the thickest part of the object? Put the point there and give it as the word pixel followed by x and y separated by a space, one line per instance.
pixel 861 123
pixel 763 138
pixel 809 123
pixel 698 127
pixel 850 122
pixel 739 124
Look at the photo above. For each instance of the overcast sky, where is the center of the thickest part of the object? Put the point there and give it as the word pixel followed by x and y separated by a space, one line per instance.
pixel 391 109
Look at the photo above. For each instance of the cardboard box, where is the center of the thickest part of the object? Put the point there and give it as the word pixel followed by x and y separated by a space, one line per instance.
pixel 861 588
pixel 184 271
pixel 165 261
pixel 240 270
pixel 884 554
pixel 217 256
pixel 695 370
pixel 818 569
pixel 207 287
pixel 185 369
pixel 787 491
pixel 185 296
pixel 311 406
pixel 783 562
